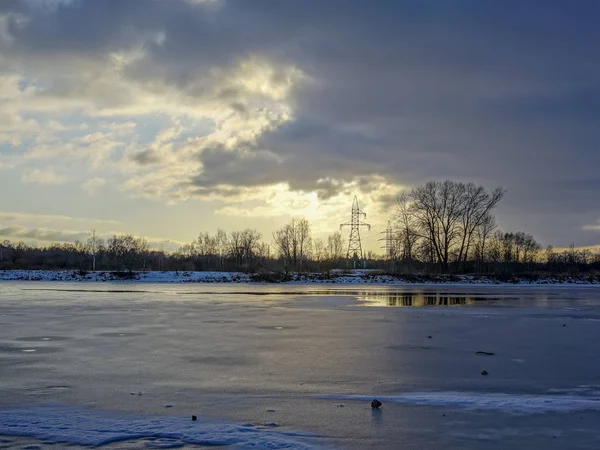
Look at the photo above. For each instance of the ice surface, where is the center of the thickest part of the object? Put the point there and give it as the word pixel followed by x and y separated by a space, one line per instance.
pixel 92 428
pixel 263 356
pixel 506 403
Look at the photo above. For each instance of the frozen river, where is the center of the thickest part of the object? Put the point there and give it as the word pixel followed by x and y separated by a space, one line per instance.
pixel 126 365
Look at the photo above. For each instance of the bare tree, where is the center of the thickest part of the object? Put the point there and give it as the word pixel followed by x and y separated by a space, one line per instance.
pixel 407 234
pixel 437 209
pixel 250 240
pixel 304 241
pixel 514 250
pixel 335 247
pixel 81 250
pixel 477 206
pixel 3 245
pixel 236 248
pixel 94 243
pixel 127 250
pixel 484 231
pixel 222 243
pixel 448 215
pixel 319 251
pixel 283 238
pixel 294 243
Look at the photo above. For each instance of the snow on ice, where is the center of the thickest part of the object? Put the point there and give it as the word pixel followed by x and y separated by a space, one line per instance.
pixel 80 426
pixel 506 403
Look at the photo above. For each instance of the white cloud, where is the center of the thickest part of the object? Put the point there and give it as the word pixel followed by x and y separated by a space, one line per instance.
pixel 279 202
pixel 592 227
pixel 242 101
pixel 45 235
pixel 92 185
pixel 204 3
pixel 38 234
pixel 43 176
pixel 12 217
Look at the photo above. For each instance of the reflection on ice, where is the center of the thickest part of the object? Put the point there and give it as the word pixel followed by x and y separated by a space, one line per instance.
pixel 373 298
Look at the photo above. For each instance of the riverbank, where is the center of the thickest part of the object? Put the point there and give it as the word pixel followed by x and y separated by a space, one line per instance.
pixel 332 277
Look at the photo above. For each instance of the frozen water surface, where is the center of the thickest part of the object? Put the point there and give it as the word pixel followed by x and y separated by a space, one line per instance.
pixel 126 365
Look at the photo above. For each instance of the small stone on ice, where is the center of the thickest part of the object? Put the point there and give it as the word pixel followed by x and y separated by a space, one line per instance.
pixel 375 403
pixel 168 406
pixel 484 372
pixel 194 418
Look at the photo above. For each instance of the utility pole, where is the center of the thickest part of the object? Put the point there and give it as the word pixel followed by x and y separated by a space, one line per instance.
pixel 354 245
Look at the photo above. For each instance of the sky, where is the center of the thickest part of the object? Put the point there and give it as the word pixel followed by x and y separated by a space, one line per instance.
pixel 167 118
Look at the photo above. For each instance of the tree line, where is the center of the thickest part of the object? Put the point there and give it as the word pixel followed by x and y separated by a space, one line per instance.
pixel 450 227
pixel 442 227
pixel 293 249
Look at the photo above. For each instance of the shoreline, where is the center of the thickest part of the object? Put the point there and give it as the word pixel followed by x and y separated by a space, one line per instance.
pixel 334 277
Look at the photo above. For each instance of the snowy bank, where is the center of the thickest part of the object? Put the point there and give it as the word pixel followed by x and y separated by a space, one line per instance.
pixel 152 277
pixel 332 277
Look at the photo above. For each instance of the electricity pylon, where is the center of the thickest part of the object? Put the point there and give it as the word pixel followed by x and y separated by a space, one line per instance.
pixel 354 245
pixel 389 241
pixel 390 245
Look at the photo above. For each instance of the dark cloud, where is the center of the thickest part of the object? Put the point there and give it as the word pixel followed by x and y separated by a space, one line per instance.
pixel 501 93
pixel 242 167
pixel 146 157
pixel 10 5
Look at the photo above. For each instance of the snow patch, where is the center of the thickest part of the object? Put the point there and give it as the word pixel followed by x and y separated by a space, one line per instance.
pixel 348 277
pixel 506 403
pixel 80 426
pixel 150 276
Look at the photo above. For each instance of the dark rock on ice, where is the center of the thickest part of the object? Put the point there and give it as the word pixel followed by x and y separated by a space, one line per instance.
pixel 484 372
pixel 485 353
pixel 194 418
pixel 375 403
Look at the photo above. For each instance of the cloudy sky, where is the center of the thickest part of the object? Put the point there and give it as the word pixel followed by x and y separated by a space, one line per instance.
pixel 164 118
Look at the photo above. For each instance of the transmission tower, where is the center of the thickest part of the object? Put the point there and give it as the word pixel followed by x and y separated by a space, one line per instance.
pixel 390 245
pixel 389 241
pixel 354 246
